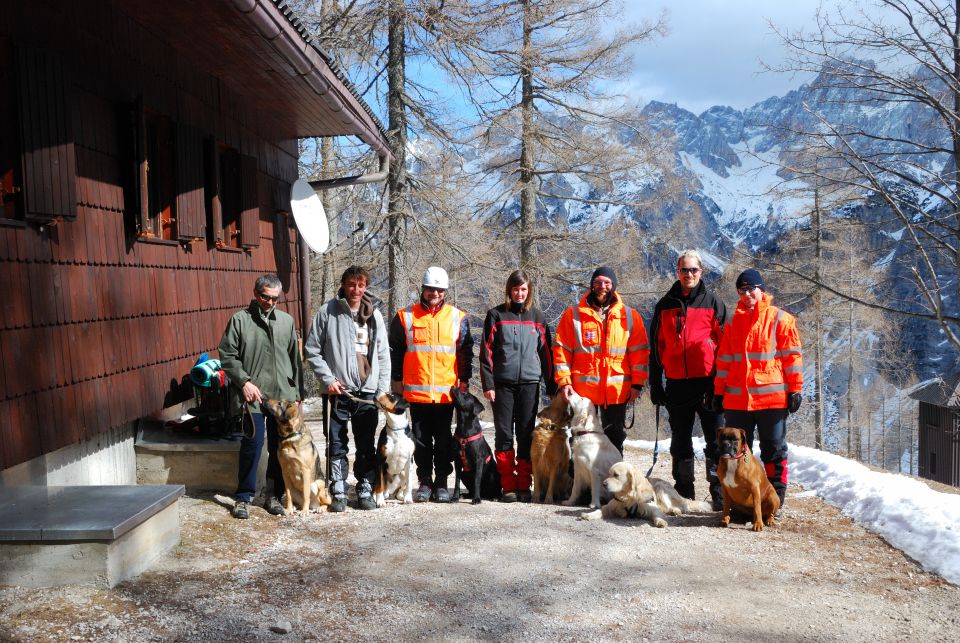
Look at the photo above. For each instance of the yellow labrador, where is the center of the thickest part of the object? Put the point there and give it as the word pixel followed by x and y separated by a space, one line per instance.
pixel 636 496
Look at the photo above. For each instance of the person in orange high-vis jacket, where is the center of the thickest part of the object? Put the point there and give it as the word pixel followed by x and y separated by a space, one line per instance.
pixel 600 350
pixel 760 374
pixel 431 351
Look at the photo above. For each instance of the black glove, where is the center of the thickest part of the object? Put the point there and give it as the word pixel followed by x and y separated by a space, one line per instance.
pixel 708 400
pixel 718 404
pixel 657 395
pixel 793 402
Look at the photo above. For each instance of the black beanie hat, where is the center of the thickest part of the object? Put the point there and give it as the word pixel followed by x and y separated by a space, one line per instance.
pixel 750 277
pixel 604 271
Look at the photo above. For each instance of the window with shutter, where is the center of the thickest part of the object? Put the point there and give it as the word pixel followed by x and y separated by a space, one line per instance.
pixel 11 180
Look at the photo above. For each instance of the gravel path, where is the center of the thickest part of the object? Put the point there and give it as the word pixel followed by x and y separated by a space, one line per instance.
pixel 503 572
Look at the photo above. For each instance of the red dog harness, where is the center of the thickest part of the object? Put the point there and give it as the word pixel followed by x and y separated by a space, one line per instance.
pixel 463 450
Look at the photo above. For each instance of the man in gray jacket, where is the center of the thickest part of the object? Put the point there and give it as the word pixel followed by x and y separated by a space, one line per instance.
pixel 347 349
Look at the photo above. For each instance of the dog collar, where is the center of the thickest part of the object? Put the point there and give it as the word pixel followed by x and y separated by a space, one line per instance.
pixel 292 436
pixel 740 454
pixel 472 438
pixel 577 434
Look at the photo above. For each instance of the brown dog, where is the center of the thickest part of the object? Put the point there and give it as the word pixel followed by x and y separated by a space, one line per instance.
pixel 743 482
pixel 550 452
pixel 298 458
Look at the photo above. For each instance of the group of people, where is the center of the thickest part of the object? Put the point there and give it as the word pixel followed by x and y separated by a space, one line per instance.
pixel 745 371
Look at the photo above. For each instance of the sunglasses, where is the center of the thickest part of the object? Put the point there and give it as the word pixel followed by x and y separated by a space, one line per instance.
pixel 747 289
pixel 432 289
pixel 263 297
pixel 688 271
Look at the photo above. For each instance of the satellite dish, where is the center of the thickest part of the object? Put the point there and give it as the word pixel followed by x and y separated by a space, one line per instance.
pixel 309 215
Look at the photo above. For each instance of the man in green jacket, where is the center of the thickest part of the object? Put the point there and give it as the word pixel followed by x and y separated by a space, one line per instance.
pixel 261 356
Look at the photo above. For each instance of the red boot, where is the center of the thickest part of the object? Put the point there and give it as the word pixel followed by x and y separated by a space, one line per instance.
pixel 508 475
pixel 524 478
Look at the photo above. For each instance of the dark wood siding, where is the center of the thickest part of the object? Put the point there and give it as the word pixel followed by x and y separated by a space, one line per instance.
pixel 939 444
pixel 97 325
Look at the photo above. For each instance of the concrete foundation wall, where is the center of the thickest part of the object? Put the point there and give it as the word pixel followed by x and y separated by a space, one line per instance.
pixel 107 459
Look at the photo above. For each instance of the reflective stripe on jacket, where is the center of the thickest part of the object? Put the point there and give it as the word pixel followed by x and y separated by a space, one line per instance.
pixel 432 347
pixel 602 360
pixel 760 359
pixel 515 348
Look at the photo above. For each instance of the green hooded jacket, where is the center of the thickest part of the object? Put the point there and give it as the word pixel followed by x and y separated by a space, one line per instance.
pixel 264 349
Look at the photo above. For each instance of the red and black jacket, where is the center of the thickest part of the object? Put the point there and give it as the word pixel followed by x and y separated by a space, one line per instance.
pixel 516 348
pixel 685 334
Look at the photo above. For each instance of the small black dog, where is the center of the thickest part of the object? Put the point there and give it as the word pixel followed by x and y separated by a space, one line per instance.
pixel 473 456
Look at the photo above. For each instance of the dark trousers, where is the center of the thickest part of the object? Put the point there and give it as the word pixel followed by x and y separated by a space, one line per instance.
pixel 771 426
pixel 515 409
pixel 433 438
pixel 249 457
pixel 613 417
pixel 684 405
pixel 363 418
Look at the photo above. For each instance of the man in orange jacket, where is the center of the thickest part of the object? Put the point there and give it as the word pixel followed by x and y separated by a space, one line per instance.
pixel 431 350
pixel 760 374
pixel 600 351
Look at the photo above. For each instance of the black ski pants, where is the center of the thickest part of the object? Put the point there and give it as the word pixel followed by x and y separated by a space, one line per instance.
pixel 433 438
pixel 515 410
pixel 363 418
pixel 685 402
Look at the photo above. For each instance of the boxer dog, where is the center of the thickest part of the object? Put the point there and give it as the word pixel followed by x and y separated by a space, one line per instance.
pixel 743 482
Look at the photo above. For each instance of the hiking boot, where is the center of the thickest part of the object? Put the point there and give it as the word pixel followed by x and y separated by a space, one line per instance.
pixel 510 496
pixel 366 503
pixel 440 491
pixel 273 507
pixel 524 495
pixel 338 505
pixel 422 494
pixel 240 510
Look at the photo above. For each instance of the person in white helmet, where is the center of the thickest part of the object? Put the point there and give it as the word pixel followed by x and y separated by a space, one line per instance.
pixel 431 351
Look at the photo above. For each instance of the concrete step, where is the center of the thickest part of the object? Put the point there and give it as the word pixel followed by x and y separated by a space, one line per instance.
pixel 97 535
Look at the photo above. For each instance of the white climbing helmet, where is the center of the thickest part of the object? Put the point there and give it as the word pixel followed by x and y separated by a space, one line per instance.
pixel 436 278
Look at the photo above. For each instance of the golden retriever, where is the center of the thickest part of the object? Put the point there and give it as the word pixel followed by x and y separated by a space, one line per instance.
pixel 550 452
pixel 593 452
pixel 636 496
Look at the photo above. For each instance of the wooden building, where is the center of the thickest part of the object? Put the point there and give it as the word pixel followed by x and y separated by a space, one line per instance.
pixel 146 155
pixel 939 430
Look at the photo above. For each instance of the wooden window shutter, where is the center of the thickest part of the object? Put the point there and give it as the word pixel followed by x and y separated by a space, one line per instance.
pixel 49 162
pixel 250 203
pixel 214 198
pixel 191 213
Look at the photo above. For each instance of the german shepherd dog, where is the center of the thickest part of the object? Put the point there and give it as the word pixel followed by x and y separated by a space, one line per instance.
pixel 298 458
pixel 394 452
pixel 473 458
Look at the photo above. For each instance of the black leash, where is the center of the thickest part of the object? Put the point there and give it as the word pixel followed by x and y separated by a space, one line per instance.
pixel 248 414
pixel 633 416
pixel 325 413
pixel 656 440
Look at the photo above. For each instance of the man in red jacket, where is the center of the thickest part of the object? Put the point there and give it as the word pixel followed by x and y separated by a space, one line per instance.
pixel 685 335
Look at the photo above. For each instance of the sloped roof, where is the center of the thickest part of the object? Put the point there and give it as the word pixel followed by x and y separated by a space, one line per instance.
pixel 944 391
pixel 262 52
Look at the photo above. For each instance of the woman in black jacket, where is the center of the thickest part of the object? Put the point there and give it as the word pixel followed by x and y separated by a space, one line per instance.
pixel 515 355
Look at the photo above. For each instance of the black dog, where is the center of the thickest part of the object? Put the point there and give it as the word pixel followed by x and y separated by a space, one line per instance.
pixel 473 456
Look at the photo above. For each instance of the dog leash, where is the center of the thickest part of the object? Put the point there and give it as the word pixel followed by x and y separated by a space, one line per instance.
pixel 656 439
pixel 248 414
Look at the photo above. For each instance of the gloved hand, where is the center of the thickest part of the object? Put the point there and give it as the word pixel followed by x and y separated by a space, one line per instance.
pixel 718 404
pixel 657 395
pixel 708 400
pixel 793 402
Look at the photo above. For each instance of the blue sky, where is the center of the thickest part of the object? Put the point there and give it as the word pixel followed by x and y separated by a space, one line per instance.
pixel 713 51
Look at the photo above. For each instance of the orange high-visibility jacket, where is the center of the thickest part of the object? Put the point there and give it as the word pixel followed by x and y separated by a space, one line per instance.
pixel 759 360
pixel 602 360
pixel 430 359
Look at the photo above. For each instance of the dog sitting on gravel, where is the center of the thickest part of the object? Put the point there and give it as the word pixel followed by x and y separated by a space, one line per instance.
pixel 550 452
pixel 743 481
pixel 298 458
pixel 593 452
pixel 636 496
pixel 474 461
pixel 394 453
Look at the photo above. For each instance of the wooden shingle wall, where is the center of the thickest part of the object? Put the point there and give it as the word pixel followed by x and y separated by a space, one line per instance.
pixel 98 328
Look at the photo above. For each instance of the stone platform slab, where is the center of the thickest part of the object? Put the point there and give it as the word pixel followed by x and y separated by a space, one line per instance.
pixel 98 535
pixel 173 457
